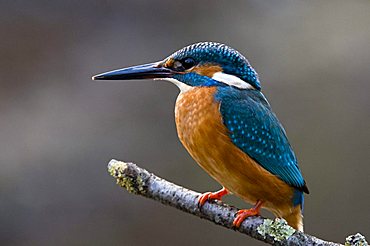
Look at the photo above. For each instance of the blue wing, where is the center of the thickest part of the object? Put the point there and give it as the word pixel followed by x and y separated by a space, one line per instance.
pixel 254 128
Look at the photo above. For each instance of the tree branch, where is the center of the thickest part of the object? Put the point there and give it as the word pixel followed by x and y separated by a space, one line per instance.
pixel 139 181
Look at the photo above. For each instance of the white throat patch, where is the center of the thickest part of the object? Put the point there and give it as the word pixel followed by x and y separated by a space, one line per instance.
pixel 218 76
pixel 231 80
pixel 182 86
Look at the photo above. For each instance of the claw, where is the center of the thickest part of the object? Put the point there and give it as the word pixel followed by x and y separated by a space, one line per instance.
pixel 203 198
pixel 242 214
pixel 210 196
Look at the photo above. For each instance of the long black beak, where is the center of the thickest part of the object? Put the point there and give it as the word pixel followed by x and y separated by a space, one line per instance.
pixel 147 71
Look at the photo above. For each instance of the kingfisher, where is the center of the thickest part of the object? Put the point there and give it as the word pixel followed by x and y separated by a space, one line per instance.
pixel 228 127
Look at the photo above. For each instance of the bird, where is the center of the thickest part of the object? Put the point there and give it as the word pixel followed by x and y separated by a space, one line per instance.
pixel 228 127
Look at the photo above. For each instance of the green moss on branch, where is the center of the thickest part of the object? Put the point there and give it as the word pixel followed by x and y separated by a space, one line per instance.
pixel 139 181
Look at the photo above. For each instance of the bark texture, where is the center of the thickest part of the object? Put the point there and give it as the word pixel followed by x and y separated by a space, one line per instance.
pixel 140 182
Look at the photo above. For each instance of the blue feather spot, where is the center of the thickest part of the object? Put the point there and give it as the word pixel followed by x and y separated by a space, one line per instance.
pixel 260 135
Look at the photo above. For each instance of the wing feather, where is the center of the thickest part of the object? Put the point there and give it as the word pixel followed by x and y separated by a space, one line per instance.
pixel 255 129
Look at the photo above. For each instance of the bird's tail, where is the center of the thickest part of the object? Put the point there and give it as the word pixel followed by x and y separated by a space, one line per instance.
pixel 295 218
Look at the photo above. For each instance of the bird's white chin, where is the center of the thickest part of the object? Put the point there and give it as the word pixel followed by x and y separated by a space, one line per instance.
pixel 182 86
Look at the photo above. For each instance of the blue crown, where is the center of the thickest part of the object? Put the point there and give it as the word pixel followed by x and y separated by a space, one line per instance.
pixel 230 60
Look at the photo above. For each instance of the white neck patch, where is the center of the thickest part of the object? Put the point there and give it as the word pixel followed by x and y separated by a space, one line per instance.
pixel 231 80
pixel 182 86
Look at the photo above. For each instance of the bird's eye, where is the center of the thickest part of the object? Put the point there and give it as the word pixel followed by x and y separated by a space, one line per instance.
pixel 183 64
pixel 188 63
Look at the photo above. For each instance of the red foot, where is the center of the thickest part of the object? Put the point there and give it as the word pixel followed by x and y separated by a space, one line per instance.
pixel 241 215
pixel 209 196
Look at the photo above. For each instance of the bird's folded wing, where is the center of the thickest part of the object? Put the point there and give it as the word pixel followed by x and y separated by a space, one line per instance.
pixel 254 128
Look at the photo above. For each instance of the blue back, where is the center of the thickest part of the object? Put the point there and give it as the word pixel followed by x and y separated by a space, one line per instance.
pixel 254 128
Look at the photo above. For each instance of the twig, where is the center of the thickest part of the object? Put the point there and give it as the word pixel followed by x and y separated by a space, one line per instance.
pixel 139 181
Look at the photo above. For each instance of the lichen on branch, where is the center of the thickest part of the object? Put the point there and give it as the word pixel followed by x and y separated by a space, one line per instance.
pixel 140 182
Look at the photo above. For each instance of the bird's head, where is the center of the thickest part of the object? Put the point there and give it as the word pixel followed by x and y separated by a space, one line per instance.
pixel 200 64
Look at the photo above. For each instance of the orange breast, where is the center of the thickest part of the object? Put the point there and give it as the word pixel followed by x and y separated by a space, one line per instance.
pixel 202 132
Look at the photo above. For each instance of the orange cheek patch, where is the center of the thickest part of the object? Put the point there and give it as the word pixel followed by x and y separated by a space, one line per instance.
pixel 169 63
pixel 207 70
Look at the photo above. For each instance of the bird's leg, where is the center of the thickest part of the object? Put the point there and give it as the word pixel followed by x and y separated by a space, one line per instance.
pixel 242 214
pixel 209 196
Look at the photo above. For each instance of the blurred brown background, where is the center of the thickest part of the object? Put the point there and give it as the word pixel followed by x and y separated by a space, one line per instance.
pixel 59 129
